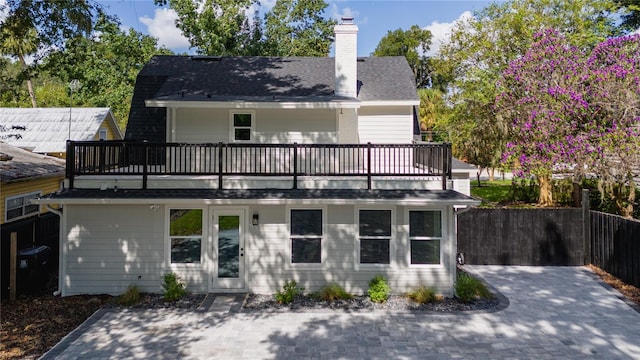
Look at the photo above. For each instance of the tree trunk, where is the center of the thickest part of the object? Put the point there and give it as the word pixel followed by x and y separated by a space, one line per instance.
pixel 577 194
pixel 546 193
pixel 626 209
pixel 478 174
pixel 491 172
pixel 32 94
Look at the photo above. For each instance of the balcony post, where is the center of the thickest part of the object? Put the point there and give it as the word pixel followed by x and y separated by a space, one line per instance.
pixel 220 147
pixel 145 166
pixel 295 165
pixel 369 165
pixel 71 162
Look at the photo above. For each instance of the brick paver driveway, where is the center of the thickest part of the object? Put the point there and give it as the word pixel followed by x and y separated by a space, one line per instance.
pixel 553 313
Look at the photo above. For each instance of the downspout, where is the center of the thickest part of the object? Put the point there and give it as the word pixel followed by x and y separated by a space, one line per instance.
pixel 59 213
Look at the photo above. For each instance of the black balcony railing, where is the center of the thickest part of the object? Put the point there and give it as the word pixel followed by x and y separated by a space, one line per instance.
pixel 124 158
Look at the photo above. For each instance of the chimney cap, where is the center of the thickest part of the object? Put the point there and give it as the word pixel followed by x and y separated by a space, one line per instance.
pixel 347 20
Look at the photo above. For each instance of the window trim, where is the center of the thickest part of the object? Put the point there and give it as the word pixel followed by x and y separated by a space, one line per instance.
pixel 232 127
pixel 443 236
pixel 203 237
pixel 392 238
pixel 101 132
pixel 323 239
pixel 23 216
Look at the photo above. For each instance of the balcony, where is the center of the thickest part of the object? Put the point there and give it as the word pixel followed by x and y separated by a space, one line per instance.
pixel 215 165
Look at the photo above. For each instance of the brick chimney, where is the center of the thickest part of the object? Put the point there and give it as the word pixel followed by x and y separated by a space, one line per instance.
pixel 346 42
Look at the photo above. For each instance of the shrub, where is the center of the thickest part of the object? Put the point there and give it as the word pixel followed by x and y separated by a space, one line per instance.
pixel 289 291
pixel 173 288
pixel 423 295
pixel 130 297
pixel 333 292
pixel 469 288
pixel 378 289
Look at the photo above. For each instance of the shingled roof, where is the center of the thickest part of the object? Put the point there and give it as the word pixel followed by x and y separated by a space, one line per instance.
pixel 17 164
pixel 257 79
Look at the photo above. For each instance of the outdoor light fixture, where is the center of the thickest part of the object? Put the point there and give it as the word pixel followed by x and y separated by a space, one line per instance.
pixel 255 220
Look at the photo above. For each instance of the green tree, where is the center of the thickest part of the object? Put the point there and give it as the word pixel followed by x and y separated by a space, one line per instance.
pixel 481 47
pixel 413 44
pixel 297 28
pixel 630 14
pixel 20 46
pixel 106 66
pixel 220 27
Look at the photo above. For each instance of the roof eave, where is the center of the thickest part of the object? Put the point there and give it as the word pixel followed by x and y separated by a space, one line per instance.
pixel 353 104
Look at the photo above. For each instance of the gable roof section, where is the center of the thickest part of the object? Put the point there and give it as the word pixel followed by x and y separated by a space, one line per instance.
pixel 166 79
pixel 17 164
pixel 47 129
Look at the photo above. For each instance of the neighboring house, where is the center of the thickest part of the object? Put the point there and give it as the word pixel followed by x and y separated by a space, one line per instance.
pixel 240 173
pixel 46 130
pixel 25 176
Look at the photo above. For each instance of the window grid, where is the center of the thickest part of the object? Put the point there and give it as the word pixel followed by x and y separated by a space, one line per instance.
pixel 17 207
pixel 370 243
pixel 306 244
pixel 425 249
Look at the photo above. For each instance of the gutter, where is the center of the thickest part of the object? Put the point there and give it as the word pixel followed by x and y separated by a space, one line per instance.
pixel 59 213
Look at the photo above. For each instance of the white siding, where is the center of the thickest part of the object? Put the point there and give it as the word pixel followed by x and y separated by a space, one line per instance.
pixel 385 124
pixel 304 126
pixel 113 246
pixel 110 247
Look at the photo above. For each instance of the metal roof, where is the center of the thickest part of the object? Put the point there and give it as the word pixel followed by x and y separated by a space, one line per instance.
pixel 47 129
pixel 17 164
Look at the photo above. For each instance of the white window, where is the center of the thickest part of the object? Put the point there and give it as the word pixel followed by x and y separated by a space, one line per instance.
pixel 17 207
pixel 306 236
pixel 102 134
pixel 185 235
pixel 242 126
pixel 425 236
pixel 374 236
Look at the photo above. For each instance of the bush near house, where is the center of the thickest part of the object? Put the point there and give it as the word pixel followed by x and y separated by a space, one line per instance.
pixel 289 291
pixel 333 292
pixel 424 295
pixel 173 288
pixel 469 288
pixel 378 289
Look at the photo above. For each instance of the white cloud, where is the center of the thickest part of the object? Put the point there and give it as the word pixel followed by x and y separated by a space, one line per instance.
pixel 163 27
pixel 4 10
pixel 442 31
pixel 338 14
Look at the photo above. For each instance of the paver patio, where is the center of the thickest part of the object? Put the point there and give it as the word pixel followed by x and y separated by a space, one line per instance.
pixel 553 313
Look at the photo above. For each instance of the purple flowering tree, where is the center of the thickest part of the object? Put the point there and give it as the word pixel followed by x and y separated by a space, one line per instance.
pixel 577 112
pixel 614 82
pixel 546 101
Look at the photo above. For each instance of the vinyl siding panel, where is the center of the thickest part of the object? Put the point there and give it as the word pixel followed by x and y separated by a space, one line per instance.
pixel 45 185
pixel 385 124
pixel 110 247
pixel 113 246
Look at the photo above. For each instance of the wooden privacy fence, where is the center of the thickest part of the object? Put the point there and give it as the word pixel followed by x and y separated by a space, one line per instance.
pixel 615 246
pixel 570 236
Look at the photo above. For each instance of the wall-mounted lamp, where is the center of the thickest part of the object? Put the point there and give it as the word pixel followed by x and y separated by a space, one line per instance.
pixel 255 220
pixel 340 111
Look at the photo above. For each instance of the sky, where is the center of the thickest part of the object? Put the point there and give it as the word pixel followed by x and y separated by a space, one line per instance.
pixel 374 19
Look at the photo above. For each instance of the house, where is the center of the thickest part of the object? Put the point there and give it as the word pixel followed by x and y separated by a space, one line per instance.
pixel 25 176
pixel 46 130
pixel 239 173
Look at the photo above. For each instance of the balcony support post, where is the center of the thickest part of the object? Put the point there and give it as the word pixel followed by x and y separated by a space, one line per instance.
pixel 295 165
pixel 220 148
pixel 369 165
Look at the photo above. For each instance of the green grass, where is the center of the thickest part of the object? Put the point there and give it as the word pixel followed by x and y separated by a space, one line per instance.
pixel 492 192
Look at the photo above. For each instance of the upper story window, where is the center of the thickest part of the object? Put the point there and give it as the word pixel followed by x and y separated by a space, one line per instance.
pixel 102 134
pixel 374 234
pixel 185 235
pixel 19 206
pixel 425 235
pixel 306 236
pixel 242 126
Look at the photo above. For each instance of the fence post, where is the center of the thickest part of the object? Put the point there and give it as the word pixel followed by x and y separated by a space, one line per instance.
pixel 586 226
pixel 13 252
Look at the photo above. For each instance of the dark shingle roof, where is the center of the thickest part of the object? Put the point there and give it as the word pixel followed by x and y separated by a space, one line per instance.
pixel 261 79
pixel 17 164
pixel 268 194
